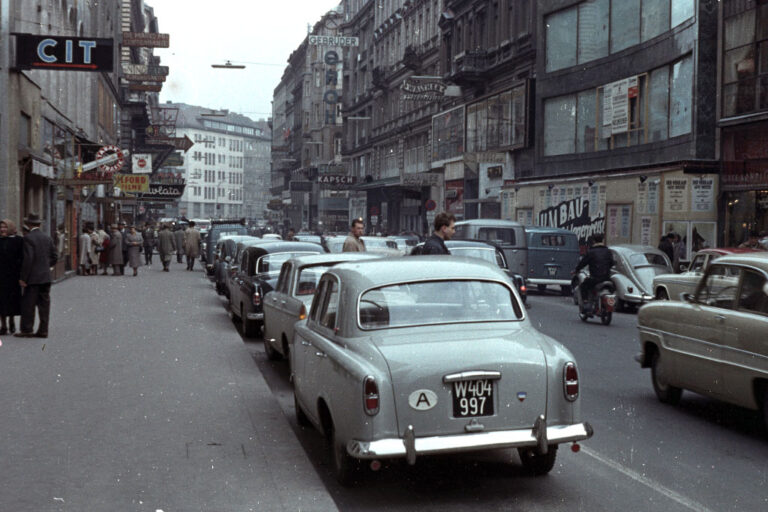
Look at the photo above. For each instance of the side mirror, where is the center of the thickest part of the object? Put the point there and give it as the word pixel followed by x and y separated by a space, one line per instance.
pixel 686 297
pixel 683 267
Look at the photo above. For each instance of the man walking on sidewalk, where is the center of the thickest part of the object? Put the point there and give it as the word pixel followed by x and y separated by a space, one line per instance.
pixel 35 279
pixel 148 235
pixel 191 245
pixel 166 245
pixel 178 236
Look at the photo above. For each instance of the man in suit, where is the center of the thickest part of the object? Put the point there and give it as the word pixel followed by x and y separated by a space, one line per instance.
pixel 35 279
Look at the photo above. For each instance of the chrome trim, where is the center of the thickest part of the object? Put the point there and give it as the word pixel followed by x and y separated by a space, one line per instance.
pixel 540 433
pixel 405 447
pixel 254 316
pixel 535 280
pixel 471 375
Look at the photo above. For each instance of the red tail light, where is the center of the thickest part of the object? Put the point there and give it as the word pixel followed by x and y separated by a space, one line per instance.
pixel 370 396
pixel 570 382
pixel 302 312
pixel 523 289
pixel 256 298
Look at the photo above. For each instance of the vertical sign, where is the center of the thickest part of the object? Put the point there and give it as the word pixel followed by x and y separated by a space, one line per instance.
pixel 645 230
pixel 626 221
pixel 653 197
pixel 331 95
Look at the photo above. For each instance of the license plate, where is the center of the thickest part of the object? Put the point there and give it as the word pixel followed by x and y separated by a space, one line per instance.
pixel 472 398
pixel 552 271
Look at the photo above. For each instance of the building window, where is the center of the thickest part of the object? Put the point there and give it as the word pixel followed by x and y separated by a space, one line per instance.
pixel 745 63
pixel 25 125
pixel 561 39
pixel 593 30
pixel 559 125
pixel 680 97
pixel 498 121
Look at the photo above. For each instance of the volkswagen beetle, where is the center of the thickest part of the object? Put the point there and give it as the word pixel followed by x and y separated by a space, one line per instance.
pixel 418 356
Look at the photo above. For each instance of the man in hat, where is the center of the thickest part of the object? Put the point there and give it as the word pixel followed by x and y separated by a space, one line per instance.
pixel 35 279
pixel 123 234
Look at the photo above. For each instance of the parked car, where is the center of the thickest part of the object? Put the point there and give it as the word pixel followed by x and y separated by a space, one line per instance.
pixel 635 268
pixel 231 279
pixel 218 229
pixel 335 243
pixel 409 357
pixel 290 300
pixel 223 256
pixel 381 246
pixel 405 243
pixel 271 236
pixel 713 342
pixel 257 274
pixel 671 286
pixel 486 251
pixel 508 235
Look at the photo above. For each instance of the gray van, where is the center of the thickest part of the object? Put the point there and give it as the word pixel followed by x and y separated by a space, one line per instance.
pixel 544 256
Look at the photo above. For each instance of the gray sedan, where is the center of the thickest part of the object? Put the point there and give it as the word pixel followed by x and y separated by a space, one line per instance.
pixel 412 357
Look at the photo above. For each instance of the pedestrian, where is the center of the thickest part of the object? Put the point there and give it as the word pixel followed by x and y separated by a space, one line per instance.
pixel 291 236
pixel 150 240
pixel 665 246
pixel 115 257
pixel 354 243
pixel 445 227
pixel 11 256
pixel 191 244
pixel 39 257
pixel 104 252
pixel 752 242
pixel 166 246
pixel 680 254
pixel 84 256
pixel 94 254
pixel 123 234
pixel 134 241
pixel 178 237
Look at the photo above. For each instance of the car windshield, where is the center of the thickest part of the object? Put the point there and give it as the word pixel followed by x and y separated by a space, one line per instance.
pixel 488 255
pixel 273 262
pixel 308 279
pixel 648 259
pixel 437 302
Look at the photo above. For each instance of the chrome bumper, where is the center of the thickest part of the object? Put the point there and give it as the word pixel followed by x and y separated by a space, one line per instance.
pixel 410 446
pixel 254 316
pixel 641 298
pixel 560 282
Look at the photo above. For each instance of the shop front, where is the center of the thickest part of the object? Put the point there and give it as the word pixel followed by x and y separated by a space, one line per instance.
pixel 744 182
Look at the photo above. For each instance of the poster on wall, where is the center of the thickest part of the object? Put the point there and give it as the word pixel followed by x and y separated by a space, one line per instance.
pixel 702 194
pixel 653 197
pixel 676 195
pixel 525 216
pixel 574 215
pixel 619 220
pixel 508 204
pixel 454 197
pixel 645 230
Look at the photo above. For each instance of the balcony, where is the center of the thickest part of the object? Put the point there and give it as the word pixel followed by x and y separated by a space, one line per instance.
pixel 469 68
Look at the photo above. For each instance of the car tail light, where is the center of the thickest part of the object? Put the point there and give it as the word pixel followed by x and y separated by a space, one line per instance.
pixel 523 289
pixel 570 381
pixel 302 312
pixel 257 298
pixel 370 396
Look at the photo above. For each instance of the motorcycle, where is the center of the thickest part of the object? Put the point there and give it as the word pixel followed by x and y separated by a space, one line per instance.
pixel 600 303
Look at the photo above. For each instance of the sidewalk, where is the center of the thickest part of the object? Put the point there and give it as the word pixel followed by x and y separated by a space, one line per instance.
pixel 144 397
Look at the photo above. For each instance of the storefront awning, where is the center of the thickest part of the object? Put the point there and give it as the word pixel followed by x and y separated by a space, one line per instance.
pixel 385 182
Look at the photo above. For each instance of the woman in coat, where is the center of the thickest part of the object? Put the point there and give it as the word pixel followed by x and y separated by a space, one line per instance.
pixel 104 253
pixel 84 255
pixel 134 242
pixel 94 254
pixel 11 256
pixel 115 257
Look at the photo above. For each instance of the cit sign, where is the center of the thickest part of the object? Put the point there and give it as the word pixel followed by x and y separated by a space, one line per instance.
pixel 69 53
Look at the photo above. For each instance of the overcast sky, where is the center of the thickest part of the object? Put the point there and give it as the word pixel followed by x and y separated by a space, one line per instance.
pixel 242 31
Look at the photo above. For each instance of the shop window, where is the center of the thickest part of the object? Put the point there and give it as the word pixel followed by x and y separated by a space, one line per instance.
pixel 625 24
pixel 593 30
pixel 659 106
pixel 745 60
pixel 559 125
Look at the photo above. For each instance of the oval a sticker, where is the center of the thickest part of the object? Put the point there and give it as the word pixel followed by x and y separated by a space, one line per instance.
pixel 422 399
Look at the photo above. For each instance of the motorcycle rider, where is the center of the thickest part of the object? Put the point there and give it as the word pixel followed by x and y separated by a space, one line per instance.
pixel 600 260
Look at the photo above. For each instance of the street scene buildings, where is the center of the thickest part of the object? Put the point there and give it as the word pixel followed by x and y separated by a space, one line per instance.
pixel 597 116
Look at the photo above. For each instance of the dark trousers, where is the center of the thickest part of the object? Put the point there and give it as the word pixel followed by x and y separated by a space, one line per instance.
pixel 190 262
pixel 589 284
pixel 35 295
pixel 179 257
pixel 147 254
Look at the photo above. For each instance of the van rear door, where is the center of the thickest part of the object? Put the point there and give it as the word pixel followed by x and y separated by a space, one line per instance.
pixel 512 242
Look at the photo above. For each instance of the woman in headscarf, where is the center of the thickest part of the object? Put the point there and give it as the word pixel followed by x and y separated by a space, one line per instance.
pixel 134 241
pixel 11 256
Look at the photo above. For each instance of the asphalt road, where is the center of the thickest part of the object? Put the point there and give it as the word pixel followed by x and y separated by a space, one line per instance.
pixel 645 456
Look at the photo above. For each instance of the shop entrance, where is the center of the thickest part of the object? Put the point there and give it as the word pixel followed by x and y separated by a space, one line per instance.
pixel 745 212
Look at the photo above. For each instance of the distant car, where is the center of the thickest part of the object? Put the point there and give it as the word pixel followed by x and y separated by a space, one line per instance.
pixel 292 297
pixel 635 268
pixel 217 230
pixel 486 251
pixel 257 275
pixel 223 257
pixel 410 357
pixel 271 236
pixel 713 342
pixel 381 245
pixel 335 243
pixel 405 243
pixel 671 286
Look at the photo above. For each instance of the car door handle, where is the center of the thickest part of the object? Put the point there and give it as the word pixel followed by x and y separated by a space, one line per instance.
pixel 320 354
pixel 306 343
pixel 720 318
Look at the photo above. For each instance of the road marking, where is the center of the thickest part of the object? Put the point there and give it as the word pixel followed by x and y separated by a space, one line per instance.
pixel 634 475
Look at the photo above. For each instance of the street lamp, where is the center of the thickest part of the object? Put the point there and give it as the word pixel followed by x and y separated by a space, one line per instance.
pixel 228 65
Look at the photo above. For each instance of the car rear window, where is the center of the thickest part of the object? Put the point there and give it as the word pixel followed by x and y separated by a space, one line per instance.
pixel 273 262
pixel 308 279
pixel 437 302
pixel 648 258
pixel 504 236
pixel 488 255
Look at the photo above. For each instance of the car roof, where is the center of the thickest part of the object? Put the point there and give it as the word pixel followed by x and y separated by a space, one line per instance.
pixel 723 251
pixel 379 272
pixel 757 259
pixel 327 258
pixel 285 246
pixel 545 229
pixel 490 222
pixel 481 244
pixel 632 248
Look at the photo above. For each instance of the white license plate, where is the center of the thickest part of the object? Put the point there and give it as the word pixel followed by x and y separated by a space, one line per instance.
pixel 552 271
pixel 472 398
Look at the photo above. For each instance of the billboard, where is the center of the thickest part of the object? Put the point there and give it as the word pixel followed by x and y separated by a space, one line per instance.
pixel 64 53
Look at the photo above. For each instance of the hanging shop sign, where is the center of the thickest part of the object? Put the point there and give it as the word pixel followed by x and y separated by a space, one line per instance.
pixel 146 40
pixel 181 143
pixel 163 191
pixel 64 53
pixel 118 163
pixel 336 181
pixel 334 41
pixel 145 78
pixel 141 163
pixel 422 90
pixel 176 159
pixel 131 183
pixel 427 179
pixel 144 69
pixel 145 87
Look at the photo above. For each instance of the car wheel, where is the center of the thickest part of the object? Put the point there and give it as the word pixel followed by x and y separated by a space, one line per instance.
pixel 606 318
pixel 347 468
pixel 662 294
pixel 287 356
pixel 301 418
pixel 535 463
pixel 666 393
pixel 249 326
pixel 565 290
pixel 272 354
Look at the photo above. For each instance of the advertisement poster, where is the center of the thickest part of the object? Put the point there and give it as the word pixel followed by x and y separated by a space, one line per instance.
pixel 454 197
pixel 653 197
pixel 703 194
pixel 645 230
pixel 613 223
pixel 625 222
pixel 676 195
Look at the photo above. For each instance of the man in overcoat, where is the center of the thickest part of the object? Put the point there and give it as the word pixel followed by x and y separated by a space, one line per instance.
pixel 115 257
pixel 178 236
pixel 166 246
pixel 191 245
pixel 149 243
pixel 39 256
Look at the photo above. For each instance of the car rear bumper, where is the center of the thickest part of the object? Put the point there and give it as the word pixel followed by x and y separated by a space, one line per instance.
pixel 410 446
pixel 560 282
pixel 254 316
pixel 637 298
